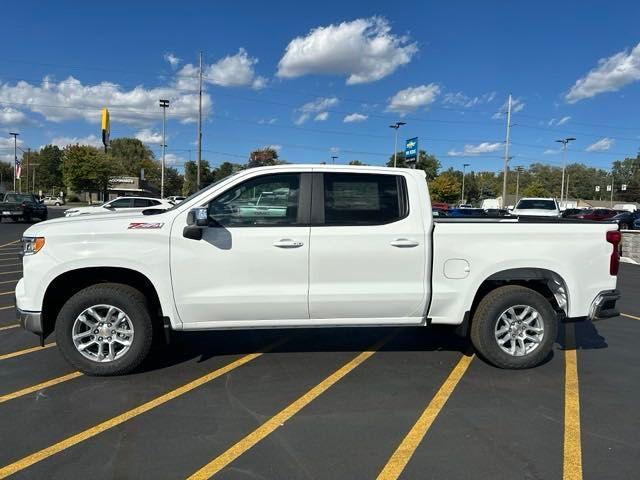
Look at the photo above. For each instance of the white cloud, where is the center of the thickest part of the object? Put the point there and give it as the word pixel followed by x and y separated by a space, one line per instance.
pixel 558 122
pixel 517 105
pixel 610 75
pixel 172 59
pixel 355 117
pixel 364 50
pixel 471 150
pixel 92 140
pixel 11 116
pixel 70 99
pixel 459 99
pixel 601 145
pixel 412 98
pixel 6 149
pixel 268 121
pixel 173 160
pixel 551 151
pixel 232 71
pixel 317 108
pixel 146 135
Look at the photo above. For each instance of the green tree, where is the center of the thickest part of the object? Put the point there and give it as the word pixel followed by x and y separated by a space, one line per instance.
pixel 134 155
pixel 87 168
pixel 173 181
pixel 427 162
pixel 535 189
pixel 225 169
pixel 6 172
pixel 49 168
pixel 445 188
pixel 355 162
pixel 191 174
pixel 263 157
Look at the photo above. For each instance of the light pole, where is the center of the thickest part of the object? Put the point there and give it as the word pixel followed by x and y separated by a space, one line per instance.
pixel 464 169
pixel 518 170
pixel 163 104
pixel 333 158
pixel 564 142
pixel 396 126
pixel 15 157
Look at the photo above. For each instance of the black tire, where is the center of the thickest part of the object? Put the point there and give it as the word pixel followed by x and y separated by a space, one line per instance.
pixel 127 299
pixel 624 226
pixel 57 204
pixel 487 315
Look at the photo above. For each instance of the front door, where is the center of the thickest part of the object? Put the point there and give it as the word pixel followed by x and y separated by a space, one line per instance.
pixel 253 260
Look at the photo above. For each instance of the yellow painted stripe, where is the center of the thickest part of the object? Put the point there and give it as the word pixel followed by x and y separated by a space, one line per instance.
pixel 40 455
pixel 7 307
pixel 8 281
pixel 10 264
pixel 14 271
pixel 10 243
pixel 39 386
pixel 281 417
pixel 400 458
pixel 26 351
pixel 9 327
pixel 7 293
pixel 630 316
pixel 572 465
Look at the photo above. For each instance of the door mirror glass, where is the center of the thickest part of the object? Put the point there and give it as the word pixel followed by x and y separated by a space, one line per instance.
pixel 198 217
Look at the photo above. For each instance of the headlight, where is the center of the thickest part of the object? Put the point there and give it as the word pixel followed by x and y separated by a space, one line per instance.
pixel 31 245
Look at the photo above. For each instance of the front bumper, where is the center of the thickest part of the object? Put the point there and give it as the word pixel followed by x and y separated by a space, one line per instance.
pixel 31 321
pixel 604 305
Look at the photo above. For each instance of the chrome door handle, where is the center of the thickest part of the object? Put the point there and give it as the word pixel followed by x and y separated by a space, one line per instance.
pixel 287 243
pixel 404 243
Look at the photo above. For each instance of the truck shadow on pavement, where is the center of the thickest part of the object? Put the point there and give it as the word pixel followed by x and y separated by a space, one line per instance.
pixel 580 335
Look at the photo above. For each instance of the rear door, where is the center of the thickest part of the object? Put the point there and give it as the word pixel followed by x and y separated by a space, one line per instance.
pixel 368 253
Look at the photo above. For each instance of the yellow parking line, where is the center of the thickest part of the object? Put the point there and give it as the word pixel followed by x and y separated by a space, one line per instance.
pixel 400 458
pixel 7 293
pixel 40 455
pixel 9 326
pixel 572 465
pixel 8 273
pixel 630 316
pixel 7 307
pixel 8 281
pixel 26 350
pixel 39 386
pixel 281 417
pixel 10 243
pixel 10 264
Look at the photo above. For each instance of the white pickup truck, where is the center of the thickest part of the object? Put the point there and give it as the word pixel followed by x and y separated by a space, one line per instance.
pixel 347 246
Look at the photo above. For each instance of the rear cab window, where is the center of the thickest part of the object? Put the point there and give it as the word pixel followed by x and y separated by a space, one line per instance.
pixel 536 205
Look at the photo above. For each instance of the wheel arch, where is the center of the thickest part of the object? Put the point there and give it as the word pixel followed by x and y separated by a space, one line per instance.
pixel 67 284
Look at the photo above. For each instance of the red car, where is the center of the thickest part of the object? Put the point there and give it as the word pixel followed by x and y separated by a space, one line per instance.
pixel 598 214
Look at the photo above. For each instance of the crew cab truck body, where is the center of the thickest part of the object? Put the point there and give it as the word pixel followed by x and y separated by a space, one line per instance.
pixel 347 246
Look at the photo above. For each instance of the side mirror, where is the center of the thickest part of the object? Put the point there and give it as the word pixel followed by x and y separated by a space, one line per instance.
pixel 108 207
pixel 198 217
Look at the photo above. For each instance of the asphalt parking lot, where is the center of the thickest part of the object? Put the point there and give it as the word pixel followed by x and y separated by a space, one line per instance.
pixel 326 404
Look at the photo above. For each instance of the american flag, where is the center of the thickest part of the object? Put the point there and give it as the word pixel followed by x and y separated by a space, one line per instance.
pixel 18 168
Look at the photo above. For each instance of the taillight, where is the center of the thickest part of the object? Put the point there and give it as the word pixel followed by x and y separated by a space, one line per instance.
pixel 614 237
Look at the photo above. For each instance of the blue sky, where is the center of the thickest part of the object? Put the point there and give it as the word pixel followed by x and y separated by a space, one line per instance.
pixel 322 78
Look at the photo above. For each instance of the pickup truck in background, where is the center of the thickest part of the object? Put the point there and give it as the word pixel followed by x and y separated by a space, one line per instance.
pixel 346 246
pixel 22 206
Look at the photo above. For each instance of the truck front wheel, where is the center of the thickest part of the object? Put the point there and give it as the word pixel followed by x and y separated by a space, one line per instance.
pixel 514 327
pixel 105 329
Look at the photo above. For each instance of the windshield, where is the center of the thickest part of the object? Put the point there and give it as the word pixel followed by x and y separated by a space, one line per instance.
pixel 536 204
pixel 16 197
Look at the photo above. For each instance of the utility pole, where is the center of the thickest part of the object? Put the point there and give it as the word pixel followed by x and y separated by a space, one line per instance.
pixel 611 204
pixel 199 125
pixel 464 170
pixel 333 158
pixel 163 104
pixel 518 170
pixel 396 126
pixel 15 157
pixel 506 155
pixel 564 142
pixel 27 166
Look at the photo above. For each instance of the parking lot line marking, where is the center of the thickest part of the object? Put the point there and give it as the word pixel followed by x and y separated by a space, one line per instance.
pixel 39 386
pixel 8 281
pixel 7 293
pixel 630 316
pixel 284 415
pixel 9 326
pixel 8 273
pixel 10 264
pixel 572 465
pixel 400 458
pixel 58 447
pixel 6 356
pixel 10 243
pixel 7 307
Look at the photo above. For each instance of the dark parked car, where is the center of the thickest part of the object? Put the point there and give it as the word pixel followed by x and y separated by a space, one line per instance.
pixel 572 212
pixel 496 212
pixel 467 212
pixel 627 220
pixel 22 206
pixel 598 214
pixel 438 212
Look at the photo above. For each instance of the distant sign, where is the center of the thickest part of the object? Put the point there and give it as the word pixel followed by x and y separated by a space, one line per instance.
pixel 597 188
pixel 411 150
pixel 623 186
pixel 608 188
pixel 106 128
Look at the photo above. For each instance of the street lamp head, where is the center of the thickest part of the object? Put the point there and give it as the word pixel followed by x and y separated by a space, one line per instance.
pixel 14 134
pixel 466 164
pixel 397 125
pixel 164 103
pixel 570 139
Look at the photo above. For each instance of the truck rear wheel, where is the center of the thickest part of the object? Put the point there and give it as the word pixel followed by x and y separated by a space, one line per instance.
pixel 105 329
pixel 514 327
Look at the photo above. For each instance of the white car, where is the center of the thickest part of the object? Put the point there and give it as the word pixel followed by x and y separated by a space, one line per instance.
pixel 120 204
pixel 175 199
pixel 57 201
pixel 537 207
pixel 346 246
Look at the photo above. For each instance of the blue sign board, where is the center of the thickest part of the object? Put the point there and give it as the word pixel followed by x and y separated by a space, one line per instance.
pixel 411 150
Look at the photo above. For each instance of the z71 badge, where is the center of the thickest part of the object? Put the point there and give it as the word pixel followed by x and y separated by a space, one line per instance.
pixel 145 225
